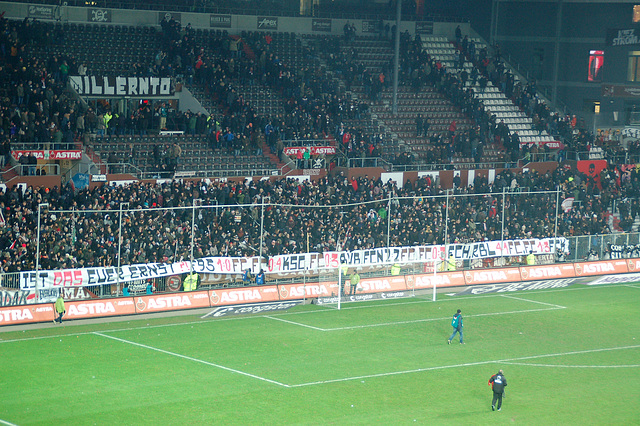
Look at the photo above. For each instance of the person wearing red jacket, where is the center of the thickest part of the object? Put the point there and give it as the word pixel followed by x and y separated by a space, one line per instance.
pixel 497 382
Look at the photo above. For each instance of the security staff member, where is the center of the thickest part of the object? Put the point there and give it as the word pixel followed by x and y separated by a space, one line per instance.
pixel 395 269
pixel 531 258
pixel 59 307
pixel 190 282
pixel 451 265
pixel 354 280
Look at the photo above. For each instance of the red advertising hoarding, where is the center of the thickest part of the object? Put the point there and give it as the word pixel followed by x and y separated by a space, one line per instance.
pixel 47 154
pixel 601 267
pixel 234 296
pixel 441 279
pixel 26 314
pixel 171 302
pixel 99 308
pixel 545 272
pixel 489 276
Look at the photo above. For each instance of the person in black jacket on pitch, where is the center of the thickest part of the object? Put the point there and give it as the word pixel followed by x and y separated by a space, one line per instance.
pixel 498 382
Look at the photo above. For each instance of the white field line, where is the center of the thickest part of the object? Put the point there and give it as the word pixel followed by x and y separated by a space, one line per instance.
pixel 222 367
pixel 532 301
pixel 631 285
pixel 273 317
pixel 468 364
pixel 296 323
pixel 571 366
pixel 471 296
pixel 57 336
pixel 115 330
pixel 4 422
pixel 488 314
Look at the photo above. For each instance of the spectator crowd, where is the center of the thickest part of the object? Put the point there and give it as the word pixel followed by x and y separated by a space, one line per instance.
pixel 333 213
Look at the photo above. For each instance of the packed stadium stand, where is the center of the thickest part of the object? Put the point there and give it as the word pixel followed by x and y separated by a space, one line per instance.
pixel 255 92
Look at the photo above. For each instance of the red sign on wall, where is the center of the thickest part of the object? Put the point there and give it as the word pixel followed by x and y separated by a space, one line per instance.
pixel 47 154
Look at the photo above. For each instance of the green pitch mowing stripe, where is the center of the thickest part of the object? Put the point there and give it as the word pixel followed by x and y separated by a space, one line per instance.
pixel 498 362
pixel 570 357
pixel 193 359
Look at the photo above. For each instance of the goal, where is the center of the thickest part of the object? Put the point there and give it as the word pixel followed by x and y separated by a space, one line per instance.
pixel 384 280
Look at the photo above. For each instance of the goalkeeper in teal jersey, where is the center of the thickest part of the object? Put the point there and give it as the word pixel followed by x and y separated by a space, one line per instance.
pixel 456 323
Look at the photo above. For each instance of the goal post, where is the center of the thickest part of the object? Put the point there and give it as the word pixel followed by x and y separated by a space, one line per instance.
pixel 384 280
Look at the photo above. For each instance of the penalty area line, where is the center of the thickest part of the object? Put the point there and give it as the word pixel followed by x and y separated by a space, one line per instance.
pixel 533 301
pixel 524 364
pixel 295 323
pixel 386 324
pixel 467 364
pixel 188 358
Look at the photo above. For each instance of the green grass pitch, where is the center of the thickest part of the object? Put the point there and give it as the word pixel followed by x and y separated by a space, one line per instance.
pixel 571 356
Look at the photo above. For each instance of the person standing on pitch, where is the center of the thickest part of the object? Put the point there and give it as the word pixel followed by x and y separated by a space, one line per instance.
pixel 456 323
pixel 59 308
pixel 497 383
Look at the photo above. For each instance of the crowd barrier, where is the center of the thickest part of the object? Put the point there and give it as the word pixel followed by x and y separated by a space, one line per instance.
pixel 388 286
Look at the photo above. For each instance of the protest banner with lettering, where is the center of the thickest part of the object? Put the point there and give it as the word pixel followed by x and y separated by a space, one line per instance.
pixel 294 264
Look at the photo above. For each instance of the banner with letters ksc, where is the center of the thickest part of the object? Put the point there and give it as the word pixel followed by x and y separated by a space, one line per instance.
pixel 290 263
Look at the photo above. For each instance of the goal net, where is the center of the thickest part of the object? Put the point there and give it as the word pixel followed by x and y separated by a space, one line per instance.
pixel 350 283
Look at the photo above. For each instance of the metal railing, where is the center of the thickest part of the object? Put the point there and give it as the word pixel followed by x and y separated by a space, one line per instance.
pixel 581 245
pixel 370 162
pixel 102 168
pixel 32 170
pixel 541 157
pixel 273 10
pixel 451 166
pixel 582 248
pixel 44 146
pixel 305 142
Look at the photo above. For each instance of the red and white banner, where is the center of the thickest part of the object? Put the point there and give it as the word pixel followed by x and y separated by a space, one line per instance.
pixel 315 150
pixel 479 250
pixel 47 154
pixel 289 264
pixel 541 276
pixel 101 275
